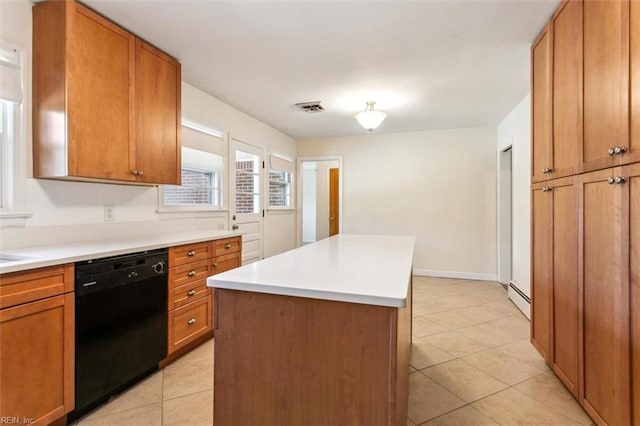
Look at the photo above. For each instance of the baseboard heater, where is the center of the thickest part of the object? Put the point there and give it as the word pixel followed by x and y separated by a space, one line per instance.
pixel 517 290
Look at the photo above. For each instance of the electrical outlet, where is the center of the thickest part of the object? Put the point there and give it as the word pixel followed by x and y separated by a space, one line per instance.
pixel 221 227
pixel 109 213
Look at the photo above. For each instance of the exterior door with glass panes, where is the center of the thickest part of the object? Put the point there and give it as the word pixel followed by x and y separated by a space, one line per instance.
pixel 246 201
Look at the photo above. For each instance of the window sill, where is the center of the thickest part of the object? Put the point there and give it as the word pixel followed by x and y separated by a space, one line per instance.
pixel 14 219
pixel 190 212
pixel 287 210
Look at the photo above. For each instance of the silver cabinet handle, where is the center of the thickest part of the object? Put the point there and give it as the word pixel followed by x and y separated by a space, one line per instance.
pixel 191 253
pixel 140 173
pixel 191 321
pixel 611 151
pixel 620 179
pixel 191 293
pixel 546 170
pixel 191 273
pixel 135 172
pixel 611 180
pixel 227 246
pixel 546 189
pixel 215 265
pixel 619 150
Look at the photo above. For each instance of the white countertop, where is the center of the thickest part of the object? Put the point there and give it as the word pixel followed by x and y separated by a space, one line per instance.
pixel 76 252
pixel 368 269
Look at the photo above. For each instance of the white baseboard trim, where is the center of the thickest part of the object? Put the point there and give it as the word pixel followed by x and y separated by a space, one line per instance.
pixel 519 300
pixel 454 274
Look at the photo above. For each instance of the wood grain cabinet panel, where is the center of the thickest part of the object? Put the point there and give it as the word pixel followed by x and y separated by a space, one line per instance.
pixel 541 62
pixel 606 299
pixel 606 81
pixel 541 269
pixel 633 150
pixel 37 345
pixel 105 104
pixel 567 90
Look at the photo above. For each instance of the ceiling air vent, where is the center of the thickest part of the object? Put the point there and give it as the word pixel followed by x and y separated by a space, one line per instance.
pixel 311 107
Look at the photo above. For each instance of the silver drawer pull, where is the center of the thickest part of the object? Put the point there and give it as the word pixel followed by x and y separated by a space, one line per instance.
pixel 227 246
pixel 191 253
pixel 191 321
pixel 215 265
pixel 191 293
pixel 192 273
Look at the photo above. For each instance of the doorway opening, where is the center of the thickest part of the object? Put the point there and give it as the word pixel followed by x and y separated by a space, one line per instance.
pixel 505 242
pixel 319 198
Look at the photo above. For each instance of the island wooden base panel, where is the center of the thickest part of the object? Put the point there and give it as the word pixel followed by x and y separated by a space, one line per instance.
pixel 291 360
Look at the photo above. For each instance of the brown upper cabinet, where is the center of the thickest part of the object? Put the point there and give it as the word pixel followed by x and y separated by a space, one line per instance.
pixel 606 83
pixel 541 105
pixel 106 105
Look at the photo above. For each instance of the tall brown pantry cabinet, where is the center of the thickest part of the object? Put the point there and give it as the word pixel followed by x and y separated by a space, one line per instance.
pixel 586 224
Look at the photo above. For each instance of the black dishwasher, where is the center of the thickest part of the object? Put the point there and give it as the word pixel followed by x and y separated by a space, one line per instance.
pixel 121 324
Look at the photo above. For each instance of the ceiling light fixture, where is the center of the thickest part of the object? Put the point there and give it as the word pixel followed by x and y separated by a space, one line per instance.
pixel 370 118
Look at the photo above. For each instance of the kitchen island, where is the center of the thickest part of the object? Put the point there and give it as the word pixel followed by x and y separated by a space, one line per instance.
pixel 319 335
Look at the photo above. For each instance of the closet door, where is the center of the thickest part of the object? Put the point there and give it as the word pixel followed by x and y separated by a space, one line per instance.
pixel 606 76
pixel 605 298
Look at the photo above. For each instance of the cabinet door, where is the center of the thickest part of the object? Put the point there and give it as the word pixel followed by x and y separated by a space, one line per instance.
pixel 605 300
pixel 632 173
pixel 541 270
pixel 541 105
pixel 633 150
pixel 606 74
pixel 567 89
pixel 36 359
pixel 565 282
pixel 100 98
pixel 158 91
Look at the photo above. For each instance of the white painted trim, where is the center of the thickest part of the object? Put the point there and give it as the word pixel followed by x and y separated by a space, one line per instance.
pixel 455 274
pixel 298 189
pixel 519 301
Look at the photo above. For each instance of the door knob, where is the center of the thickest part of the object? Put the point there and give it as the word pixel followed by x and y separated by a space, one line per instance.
pixel 235 227
pixel 620 179
pixel 611 180
pixel 619 150
pixel 331 218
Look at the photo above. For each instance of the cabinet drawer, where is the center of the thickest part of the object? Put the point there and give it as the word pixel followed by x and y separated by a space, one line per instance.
pixel 187 293
pixel 189 273
pixel 189 322
pixel 27 286
pixel 188 253
pixel 227 245
pixel 225 263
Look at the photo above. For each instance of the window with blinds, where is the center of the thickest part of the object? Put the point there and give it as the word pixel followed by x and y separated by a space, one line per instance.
pixel 280 181
pixel 203 167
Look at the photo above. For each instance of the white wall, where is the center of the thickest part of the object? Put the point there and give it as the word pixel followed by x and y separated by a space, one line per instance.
pixel 73 211
pixel 309 202
pixel 515 130
pixel 437 185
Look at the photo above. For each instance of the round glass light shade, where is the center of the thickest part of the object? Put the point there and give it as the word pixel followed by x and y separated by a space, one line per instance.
pixel 370 118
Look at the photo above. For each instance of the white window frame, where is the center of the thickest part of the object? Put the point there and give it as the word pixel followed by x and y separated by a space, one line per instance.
pixel 281 163
pixel 222 180
pixel 13 153
pixel 215 191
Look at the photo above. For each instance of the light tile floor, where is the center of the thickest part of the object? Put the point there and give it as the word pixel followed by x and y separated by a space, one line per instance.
pixel 471 364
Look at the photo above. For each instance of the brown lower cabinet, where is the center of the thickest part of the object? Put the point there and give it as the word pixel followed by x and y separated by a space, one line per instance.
pixel 37 345
pixel 587 326
pixel 190 300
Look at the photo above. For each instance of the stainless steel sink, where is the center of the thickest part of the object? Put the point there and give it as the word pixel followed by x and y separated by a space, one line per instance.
pixel 4 258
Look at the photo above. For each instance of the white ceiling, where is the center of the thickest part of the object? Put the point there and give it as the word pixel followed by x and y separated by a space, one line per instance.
pixel 428 64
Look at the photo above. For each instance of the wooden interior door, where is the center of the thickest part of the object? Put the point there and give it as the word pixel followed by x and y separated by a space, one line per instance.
pixel 158 80
pixel 605 299
pixel 606 85
pixel 334 203
pixel 541 106
pixel 567 89
pixel 566 315
pixel 542 268
pixel 101 121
